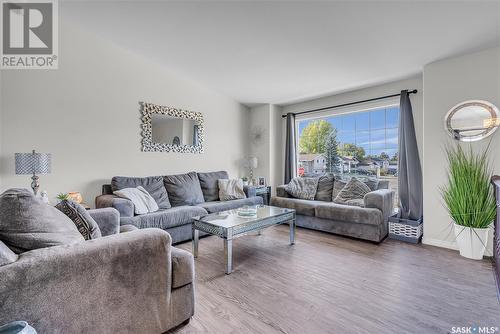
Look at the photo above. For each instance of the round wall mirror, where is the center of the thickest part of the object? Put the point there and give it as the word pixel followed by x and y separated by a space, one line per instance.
pixel 472 120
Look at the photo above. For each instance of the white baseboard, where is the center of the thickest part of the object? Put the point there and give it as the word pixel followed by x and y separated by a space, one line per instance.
pixel 440 243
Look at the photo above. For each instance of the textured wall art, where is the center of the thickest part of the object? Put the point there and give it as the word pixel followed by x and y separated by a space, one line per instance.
pixel 148 145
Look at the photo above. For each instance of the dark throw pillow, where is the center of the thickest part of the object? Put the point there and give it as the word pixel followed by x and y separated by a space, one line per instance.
pixel 153 185
pixel 27 223
pixel 325 188
pixel 183 189
pixel 85 224
pixel 302 187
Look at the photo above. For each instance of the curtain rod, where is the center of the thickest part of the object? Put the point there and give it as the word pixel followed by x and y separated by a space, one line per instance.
pixel 350 103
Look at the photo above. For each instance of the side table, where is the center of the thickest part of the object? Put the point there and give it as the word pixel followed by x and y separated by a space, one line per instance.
pixel 265 193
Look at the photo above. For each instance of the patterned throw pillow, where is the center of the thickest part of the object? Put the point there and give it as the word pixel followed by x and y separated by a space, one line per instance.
pixel 231 189
pixel 338 185
pixel 302 187
pixel 354 189
pixel 87 226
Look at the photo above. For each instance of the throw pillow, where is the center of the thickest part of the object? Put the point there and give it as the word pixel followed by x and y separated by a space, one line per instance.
pixel 142 200
pixel 27 223
pixel 338 185
pixel 85 224
pixel 231 189
pixel 184 189
pixel 325 188
pixel 209 183
pixel 354 189
pixel 302 187
pixel 371 182
pixel 153 185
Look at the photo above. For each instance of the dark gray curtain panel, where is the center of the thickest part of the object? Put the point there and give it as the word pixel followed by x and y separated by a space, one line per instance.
pixel 290 149
pixel 409 169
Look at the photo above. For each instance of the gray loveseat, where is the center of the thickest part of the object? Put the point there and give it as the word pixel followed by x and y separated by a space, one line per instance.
pixel 133 282
pixel 368 221
pixel 180 197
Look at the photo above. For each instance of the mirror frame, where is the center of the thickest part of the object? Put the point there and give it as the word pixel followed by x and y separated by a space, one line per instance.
pixel 148 109
pixel 490 107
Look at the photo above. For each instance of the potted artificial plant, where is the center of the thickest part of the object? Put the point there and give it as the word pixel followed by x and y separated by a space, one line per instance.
pixel 469 199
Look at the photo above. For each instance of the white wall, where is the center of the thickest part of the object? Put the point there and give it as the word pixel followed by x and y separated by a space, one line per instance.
pixel 87 115
pixel 446 83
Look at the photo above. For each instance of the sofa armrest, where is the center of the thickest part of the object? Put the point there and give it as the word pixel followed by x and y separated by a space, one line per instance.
pixel 250 191
pixel 94 285
pixel 108 220
pixel 182 268
pixel 124 206
pixel 281 192
pixel 382 199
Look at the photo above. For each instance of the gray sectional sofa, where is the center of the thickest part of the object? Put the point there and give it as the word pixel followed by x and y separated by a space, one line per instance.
pixel 180 197
pixel 369 221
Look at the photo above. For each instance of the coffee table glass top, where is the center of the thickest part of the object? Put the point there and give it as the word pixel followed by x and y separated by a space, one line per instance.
pixel 230 218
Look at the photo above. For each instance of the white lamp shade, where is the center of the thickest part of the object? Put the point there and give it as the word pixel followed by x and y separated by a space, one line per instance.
pixel 253 162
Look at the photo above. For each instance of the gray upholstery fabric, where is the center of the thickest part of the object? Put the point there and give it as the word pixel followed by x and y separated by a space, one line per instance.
pixel 182 233
pixel 382 199
pixel 324 191
pixel 209 184
pixel 303 187
pixel 182 268
pixel 383 184
pixel 356 202
pixel 250 191
pixel 183 189
pixel 27 223
pixel 85 224
pixel 375 233
pixel 6 255
pixel 217 206
pixel 301 206
pixel 354 189
pixel 164 219
pixel 108 220
pixel 346 213
pixel 123 286
pixel 153 185
pixel 281 191
pixel 124 206
pixel 127 228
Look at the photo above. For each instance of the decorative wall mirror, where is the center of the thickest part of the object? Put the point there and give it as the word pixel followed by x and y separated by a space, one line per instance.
pixel 166 129
pixel 472 120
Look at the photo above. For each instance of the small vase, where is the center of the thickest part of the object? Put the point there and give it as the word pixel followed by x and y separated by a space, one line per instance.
pixel 471 241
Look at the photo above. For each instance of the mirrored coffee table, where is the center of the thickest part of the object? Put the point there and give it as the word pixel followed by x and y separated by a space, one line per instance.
pixel 228 225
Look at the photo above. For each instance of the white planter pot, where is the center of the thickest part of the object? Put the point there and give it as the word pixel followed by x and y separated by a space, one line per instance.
pixel 471 241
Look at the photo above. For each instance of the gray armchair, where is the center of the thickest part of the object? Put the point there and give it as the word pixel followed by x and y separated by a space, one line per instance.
pixel 133 282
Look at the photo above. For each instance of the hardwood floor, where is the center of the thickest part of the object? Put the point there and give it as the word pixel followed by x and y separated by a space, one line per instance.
pixel 330 284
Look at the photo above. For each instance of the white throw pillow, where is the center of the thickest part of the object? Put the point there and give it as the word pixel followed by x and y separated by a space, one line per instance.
pixel 231 189
pixel 142 200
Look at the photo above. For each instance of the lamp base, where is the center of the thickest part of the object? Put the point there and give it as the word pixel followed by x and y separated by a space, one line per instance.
pixel 34 184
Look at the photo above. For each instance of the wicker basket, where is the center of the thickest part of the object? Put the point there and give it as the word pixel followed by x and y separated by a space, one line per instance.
pixel 405 229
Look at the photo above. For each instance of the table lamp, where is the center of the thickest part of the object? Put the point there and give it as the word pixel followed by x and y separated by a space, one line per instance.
pixel 33 163
pixel 253 163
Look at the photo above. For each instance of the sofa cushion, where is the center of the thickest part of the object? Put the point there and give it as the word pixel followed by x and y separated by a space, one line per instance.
pixel 183 189
pixel 324 192
pixel 164 219
pixel 303 187
pixel 354 189
pixel 301 206
pixel 27 223
pixel 127 228
pixel 85 224
pixel 209 184
pixel 182 268
pixel 231 189
pixel 347 213
pixel 218 206
pixel 6 255
pixel 153 185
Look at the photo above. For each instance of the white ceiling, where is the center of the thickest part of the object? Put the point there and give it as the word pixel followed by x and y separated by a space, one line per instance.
pixel 283 52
